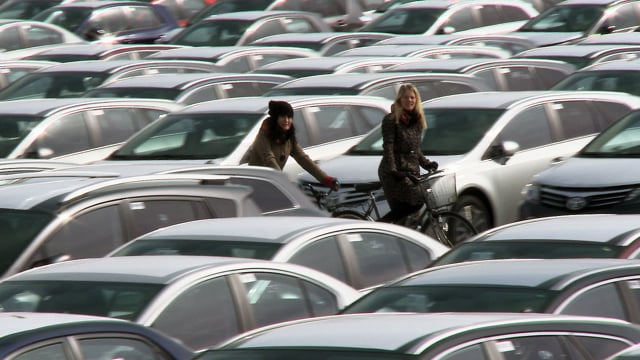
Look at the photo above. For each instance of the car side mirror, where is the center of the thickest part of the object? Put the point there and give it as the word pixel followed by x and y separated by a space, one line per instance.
pixel 607 29
pixel 501 152
pixel 446 30
pixel 51 260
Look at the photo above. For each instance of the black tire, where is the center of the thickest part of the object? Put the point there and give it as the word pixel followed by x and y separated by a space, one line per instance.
pixel 459 229
pixel 350 214
pixel 475 210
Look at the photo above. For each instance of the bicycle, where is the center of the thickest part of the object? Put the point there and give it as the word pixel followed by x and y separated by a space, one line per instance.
pixel 438 189
pixel 339 209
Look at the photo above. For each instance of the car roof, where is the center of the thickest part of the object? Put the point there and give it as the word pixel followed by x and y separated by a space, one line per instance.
pixel 103 66
pixel 44 107
pixel 98 4
pixel 590 2
pixel 217 52
pixel 278 230
pixel 186 80
pixel 154 269
pixel 361 80
pixel 408 49
pixel 633 65
pixel 253 15
pixel 601 228
pixel 586 50
pixel 319 36
pixel 96 48
pixel 16 322
pixel 550 274
pixel 412 332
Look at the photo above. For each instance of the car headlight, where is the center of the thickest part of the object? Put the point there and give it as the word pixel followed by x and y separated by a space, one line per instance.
pixel 531 192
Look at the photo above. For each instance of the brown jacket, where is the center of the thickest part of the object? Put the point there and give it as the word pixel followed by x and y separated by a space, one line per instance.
pixel 265 152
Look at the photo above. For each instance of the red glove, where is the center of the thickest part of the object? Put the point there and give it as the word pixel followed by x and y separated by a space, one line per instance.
pixel 331 182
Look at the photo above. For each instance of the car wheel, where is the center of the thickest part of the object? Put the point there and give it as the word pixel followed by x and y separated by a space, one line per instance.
pixel 475 210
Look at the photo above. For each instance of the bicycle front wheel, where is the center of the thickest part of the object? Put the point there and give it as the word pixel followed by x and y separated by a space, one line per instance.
pixel 350 214
pixel 448 227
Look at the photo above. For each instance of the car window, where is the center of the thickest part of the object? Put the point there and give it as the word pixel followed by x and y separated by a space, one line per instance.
pixel 121 347
pixel 204 93
pixel 417 257
pixel 244 88
pixel 388 92
pixel 597 347
pixel 115 125
pixel 322 255
pixel 330 123
pixel 533 347
pixel 379 257
pixel 443 88
pixel 548 76
pixel 148 215
pixel 93 233
pixel 265 194
pixel 324 8
pixel 66 135
pixel 624 16
pixel 10 39
pixel 274 298
pixel 141 17
pixel 489 14
pixel 461 19
pixel 50 352
pixel 110 20
pixel 513 13
pixel 529 129
pixel 518 78
pixel 210 308
pixel 269 27
pixel 39 35
pixel 473 352
pixel 238 64
pixel 604 300
pixel 575 119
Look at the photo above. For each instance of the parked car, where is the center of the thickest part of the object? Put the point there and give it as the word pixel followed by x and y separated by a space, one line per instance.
pixel 24 9
pixel 244 27
pixel 445 17
pixel 386 85
pixel 568 236
pixel 325 43
pixel 12 70
pixel 98 51
pixel 573 20
pixel 432 336
pixel 360 253
pixel 340 15
pixel 45 222
pixel 68 336
pixel 623 76
pixel 572 186
pixel 189 89
pixel 235 58
pixel 113 21
pixel 512 43
pixel 500 74
pixel 73 79
pixel 222 131
pixel 443 52
pixel 298 68
pixel 494 142
pixel 22 34
pixel 630 353
pixel 75 129
pixel 582 55
pixel 588 287
pixel 198 300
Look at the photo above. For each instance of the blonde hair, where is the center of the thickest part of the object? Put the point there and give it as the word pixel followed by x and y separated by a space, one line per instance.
pixel 397 109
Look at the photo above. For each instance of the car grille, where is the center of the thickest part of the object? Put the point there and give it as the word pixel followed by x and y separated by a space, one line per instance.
pixel 594 198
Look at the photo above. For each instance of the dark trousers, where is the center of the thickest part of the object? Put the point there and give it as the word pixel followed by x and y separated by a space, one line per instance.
pixel 399 210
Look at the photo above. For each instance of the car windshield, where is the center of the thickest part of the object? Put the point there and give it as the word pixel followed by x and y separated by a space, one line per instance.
pixel 574 18
pixel 13 129
pixel 456 298
pixel 112 299
pixel 449 132
pixel 189 136
pixel 17 230
pixel 622 139
pixel 390 5
pixel 52 85
pixel 133 92
pixel 208 247
pixel 527 249
pixel 69 18
pixel 409 21
pixel 310 91
pixel 623 81
pixel 297 354
pixel 212 33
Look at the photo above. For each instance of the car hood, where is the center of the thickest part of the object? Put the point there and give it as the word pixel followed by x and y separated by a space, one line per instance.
pixel 548 38
pixel 591 172
pixel 352 169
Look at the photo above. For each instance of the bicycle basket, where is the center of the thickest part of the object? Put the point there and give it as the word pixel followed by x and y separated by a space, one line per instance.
pixel 443 189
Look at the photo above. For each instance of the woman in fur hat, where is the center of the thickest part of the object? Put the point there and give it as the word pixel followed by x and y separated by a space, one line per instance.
pixel 276 141
pixel 401 154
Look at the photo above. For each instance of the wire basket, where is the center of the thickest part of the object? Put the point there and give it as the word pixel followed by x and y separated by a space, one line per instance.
pixel 439 189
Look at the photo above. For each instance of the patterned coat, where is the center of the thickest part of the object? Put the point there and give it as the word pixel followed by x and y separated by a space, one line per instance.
pixel 401 152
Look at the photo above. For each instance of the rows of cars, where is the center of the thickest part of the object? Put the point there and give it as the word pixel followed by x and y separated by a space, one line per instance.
pixel 125 204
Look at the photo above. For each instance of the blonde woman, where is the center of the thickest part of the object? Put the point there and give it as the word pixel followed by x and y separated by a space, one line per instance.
pixel 401 154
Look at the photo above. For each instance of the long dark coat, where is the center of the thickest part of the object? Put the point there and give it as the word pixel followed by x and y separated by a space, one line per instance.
pixel 401 152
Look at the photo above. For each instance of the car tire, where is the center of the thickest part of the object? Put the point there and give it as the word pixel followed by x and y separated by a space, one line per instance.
pixel 475 210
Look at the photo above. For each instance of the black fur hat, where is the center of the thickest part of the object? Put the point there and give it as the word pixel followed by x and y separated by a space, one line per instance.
pixel 278 108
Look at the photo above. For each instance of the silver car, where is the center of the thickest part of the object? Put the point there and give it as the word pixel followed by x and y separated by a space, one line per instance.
pixel 494 142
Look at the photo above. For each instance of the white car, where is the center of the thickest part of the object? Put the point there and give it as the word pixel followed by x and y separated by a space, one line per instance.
pixel 494 142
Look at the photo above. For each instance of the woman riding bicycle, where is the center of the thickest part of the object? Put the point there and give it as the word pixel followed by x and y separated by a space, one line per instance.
pixel 401 154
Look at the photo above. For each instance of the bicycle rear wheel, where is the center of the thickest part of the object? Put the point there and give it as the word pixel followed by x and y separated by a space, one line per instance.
pixel 451 229
pixel 350 214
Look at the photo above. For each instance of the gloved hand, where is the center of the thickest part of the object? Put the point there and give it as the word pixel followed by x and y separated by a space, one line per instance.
pixel 331 182
pixel 431 166
pixel 399 175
